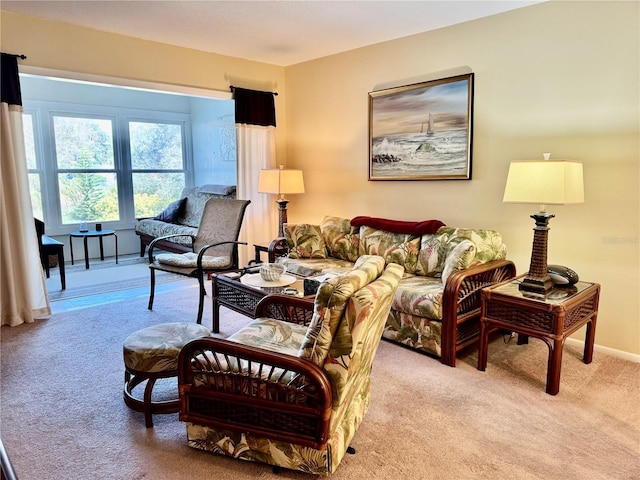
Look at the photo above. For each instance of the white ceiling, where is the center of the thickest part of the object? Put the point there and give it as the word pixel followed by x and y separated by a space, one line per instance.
pixel 278 32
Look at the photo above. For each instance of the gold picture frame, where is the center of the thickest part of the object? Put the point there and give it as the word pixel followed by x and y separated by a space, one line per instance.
pixel 422 131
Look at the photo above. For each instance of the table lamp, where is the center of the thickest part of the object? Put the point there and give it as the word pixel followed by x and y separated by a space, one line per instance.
pixel 280 182
pixel 546 182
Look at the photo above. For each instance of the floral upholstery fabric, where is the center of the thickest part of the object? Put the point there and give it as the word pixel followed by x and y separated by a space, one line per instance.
pixel 330 302
pixel 314 266
pixel 305 241
pixel 364 315
pixel 270 334
pixel 189 259
pixel 189 221
pixel 397 248
pixel 158 228
pixel 341 239
pixel 421 296
pixel 156 348
pixel 460 258
pixel 418 332
pixel 436 248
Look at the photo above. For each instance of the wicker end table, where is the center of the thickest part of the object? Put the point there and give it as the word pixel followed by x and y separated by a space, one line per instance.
pixel 229 291
pixel 551 318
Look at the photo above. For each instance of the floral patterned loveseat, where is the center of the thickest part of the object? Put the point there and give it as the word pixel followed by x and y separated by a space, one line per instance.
pixel 436 309
pixel 291 388
pixel 181 217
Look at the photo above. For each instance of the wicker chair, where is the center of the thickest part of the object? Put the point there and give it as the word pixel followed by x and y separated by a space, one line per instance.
pixel 214 248
pixel 291 388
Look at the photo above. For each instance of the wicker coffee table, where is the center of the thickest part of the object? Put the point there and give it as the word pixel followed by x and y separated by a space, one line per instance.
pixel 231 291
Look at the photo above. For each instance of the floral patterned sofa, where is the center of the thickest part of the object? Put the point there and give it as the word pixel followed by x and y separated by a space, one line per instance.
pixel 436 309
pixel 291 388
pixel 180 217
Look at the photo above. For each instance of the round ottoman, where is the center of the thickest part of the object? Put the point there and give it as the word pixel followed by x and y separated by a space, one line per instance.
pixel 150 354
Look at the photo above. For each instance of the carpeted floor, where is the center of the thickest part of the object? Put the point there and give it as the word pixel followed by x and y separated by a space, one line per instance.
pixel 63 417
pixel 131 271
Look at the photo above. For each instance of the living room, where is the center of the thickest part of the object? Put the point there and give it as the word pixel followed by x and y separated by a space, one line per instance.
pixel 559 77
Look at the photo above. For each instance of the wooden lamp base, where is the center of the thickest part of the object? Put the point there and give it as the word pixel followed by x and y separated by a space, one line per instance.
pixel 537 280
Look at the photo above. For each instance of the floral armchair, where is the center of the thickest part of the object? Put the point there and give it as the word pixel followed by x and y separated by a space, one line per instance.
pixel 291 388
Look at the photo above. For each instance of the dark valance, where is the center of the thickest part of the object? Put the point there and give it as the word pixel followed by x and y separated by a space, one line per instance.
pixel 10 81
pixel 254 107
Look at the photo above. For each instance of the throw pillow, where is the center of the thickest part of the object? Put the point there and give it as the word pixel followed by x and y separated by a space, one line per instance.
pixel 400 248
pixel 174 212
pixel 341 240
pixel 459 258
pixel 305 241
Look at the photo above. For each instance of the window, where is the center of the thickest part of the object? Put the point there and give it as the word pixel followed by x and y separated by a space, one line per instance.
pixel 110 154
pixel 156 165
pixel 110 167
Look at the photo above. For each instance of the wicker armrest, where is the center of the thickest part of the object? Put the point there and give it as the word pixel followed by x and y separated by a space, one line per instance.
pixel 286 308
pixel 278 248
pixel 228 385
pixel 461 303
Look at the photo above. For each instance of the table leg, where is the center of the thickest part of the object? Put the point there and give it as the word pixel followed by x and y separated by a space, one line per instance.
pixel 483 346
pixel 86 254
pixel 101 249
pixel 63 280
pixel 116 237
pixel 554 366
pixel 71 247
pixel 589 339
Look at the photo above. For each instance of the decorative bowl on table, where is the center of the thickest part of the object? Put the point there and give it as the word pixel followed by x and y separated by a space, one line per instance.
pixel 271 272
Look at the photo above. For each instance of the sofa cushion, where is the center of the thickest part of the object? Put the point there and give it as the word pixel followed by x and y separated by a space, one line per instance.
pixel 313 266
pixel 274 335
pixel 488 243
pixel 173 213
pixel 189 260
pixel 156 228
pixel 304 240
pixel 420 296
pixel 341 239
pixel 400 248
pixel 330 303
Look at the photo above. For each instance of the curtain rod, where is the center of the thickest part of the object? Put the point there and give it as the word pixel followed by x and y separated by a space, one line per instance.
pixel 233 88
pixel 23 57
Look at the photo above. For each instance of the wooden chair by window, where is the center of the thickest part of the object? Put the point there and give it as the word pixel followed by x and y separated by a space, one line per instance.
pixel 48 246
pixel 214 248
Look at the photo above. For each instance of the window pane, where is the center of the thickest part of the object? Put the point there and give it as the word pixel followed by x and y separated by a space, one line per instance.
pixel 153 192
pixel 36 195
pixel 85 143
pixel 29 144
pixel 90 197
pixel 155 146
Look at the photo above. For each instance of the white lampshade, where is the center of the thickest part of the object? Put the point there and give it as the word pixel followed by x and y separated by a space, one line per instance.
pixel 546 182
pixel 280 181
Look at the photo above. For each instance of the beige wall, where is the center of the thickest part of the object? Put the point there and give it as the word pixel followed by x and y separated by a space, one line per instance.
pixel 64 47
pixel 560 77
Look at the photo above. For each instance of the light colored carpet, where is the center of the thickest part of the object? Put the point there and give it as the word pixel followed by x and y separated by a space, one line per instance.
pixel 104 276
pixel 63 416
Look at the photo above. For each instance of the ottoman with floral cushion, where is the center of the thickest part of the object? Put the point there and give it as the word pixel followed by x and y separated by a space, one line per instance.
pixel 150 354
pixel 436 309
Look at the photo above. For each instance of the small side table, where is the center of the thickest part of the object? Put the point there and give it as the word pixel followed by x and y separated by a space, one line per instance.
pixel 88 234
pixel 551 318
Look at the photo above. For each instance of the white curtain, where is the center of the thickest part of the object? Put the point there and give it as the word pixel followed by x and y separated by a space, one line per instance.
pixel 256 150
pixel 23 294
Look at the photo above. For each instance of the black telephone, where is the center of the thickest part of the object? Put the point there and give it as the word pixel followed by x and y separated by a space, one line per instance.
pixel 562 276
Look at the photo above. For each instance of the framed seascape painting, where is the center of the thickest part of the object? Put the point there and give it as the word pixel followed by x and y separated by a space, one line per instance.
pixel 422 131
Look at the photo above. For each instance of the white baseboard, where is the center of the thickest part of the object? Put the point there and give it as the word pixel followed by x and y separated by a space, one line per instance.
pixel 632 357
